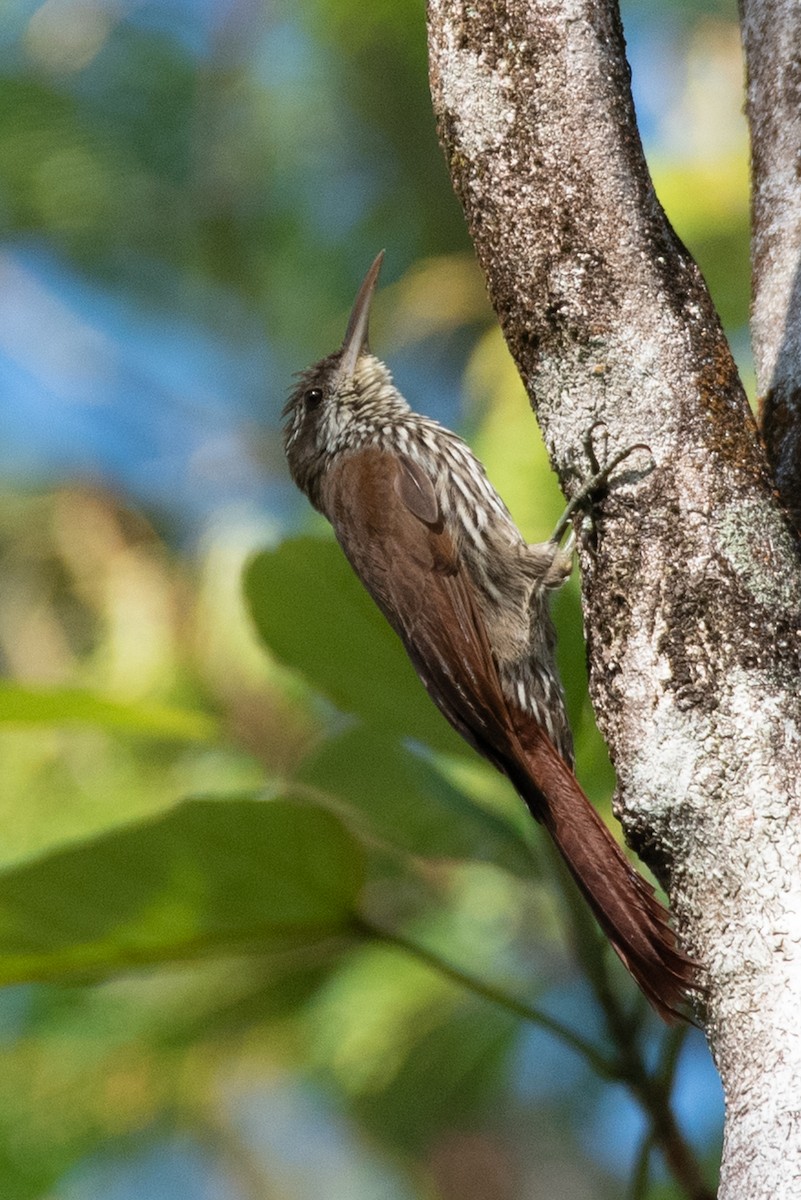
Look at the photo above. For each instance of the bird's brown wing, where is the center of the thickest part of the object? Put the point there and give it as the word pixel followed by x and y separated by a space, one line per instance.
pixel 384 511
pixel 386 518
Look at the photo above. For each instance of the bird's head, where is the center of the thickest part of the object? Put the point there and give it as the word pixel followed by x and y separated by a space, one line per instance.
pixel 341 400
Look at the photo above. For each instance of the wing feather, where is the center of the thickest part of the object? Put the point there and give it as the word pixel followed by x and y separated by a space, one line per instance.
pixel 392 533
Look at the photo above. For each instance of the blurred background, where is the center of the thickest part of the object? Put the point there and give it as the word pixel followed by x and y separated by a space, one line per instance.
pixel 190 193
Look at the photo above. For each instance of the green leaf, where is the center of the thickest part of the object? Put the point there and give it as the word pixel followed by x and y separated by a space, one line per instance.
pixel 209 877
pixel 406 801
pixel 409 1051
pixel 60 706
pixel 314 615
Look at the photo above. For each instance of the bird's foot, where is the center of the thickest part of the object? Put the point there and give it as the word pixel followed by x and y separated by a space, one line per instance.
pixel 594 487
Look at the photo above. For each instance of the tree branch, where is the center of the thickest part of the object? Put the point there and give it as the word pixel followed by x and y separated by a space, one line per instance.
pixel 650 1088
pixel 772 40
pixel 693 593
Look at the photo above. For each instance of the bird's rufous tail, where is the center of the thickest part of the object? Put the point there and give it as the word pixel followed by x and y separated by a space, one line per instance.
pixel 624 904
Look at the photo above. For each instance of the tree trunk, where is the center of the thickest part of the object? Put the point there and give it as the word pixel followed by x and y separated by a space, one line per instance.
pixel 692 586
pixel 772 41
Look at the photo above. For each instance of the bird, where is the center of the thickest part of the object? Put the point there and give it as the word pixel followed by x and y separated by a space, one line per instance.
pixel 437 549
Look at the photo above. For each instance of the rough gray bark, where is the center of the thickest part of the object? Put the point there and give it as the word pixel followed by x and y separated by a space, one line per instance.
pixel 693 597
pixel 772 41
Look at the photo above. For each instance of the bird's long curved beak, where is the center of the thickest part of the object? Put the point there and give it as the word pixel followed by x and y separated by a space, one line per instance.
pixel 355 342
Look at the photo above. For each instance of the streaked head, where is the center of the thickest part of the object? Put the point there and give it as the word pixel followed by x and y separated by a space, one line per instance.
pixel 341 398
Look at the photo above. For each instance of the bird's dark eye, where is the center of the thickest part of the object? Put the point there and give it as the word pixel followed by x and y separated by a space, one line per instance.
pixel 313 397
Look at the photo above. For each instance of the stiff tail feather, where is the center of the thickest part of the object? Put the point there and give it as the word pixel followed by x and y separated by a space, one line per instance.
pixel 624 904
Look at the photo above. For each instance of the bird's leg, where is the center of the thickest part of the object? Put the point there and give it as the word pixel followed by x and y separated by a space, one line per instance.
pixel 591 488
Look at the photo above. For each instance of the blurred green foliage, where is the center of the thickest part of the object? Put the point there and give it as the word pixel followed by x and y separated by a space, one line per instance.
pixel 231 794
pixel 321 886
